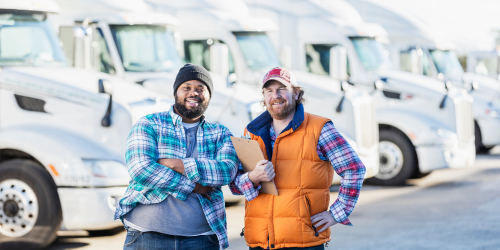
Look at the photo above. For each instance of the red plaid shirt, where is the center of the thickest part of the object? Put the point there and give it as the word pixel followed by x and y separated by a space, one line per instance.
pixel 346 163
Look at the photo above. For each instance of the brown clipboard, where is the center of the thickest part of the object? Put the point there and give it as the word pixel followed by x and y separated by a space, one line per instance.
pixel 249 153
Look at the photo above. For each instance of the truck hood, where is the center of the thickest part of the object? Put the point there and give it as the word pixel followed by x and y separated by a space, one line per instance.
pixel 489 88
pixel 83 81
pixel 414 84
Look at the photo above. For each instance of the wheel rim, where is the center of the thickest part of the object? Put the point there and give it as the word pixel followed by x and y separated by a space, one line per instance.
pixel 18 208
pixel 391 160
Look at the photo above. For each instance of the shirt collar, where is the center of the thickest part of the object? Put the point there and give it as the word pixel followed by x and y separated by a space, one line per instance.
pixel 177 119
pixel 265 119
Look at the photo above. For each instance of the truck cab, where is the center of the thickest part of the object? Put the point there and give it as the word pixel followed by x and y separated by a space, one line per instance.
pixel 63 132
pixel 252 53
pixel 146 48
pixel 423 124
pixel 415 48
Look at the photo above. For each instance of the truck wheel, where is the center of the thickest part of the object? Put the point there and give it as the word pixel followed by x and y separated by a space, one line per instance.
pixel 397 159
pixel 30 211
pixel 477 138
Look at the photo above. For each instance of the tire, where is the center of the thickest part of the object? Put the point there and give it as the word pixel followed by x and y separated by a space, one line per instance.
pixel 477 138
pixel 398 159
pixel 232 203
pixel 478 141
pixel 37 222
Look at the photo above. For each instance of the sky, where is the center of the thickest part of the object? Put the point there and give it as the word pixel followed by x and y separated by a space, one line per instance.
pixel 470 24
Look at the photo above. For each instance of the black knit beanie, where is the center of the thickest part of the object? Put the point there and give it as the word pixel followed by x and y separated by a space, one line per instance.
pixel 193 72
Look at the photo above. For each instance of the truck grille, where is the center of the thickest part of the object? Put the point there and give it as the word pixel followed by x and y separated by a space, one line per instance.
pixel 366 125
pixel 465 122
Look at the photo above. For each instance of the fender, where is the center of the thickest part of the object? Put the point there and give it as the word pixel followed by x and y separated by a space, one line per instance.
pixel 413 125
pixel 60 152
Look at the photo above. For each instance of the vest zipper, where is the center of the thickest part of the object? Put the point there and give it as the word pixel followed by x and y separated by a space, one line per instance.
pixel 308 204
pixel 242 232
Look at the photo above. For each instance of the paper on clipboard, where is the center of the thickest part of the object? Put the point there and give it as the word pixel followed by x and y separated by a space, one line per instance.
pixel 249 154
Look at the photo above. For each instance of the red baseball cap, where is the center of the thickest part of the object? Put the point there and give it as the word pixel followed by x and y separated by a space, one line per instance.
pixel 282 75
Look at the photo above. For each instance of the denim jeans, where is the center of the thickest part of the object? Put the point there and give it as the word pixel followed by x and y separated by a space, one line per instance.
pixel 320 247
pixel 137 240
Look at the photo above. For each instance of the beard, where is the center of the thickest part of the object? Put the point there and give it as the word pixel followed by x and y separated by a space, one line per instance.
pixel 198 111
pixel 282 113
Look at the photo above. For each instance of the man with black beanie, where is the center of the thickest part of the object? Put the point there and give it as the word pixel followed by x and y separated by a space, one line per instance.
pixel 178 161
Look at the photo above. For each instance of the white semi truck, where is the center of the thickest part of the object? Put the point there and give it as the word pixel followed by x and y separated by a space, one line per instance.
pixel 485 63
pixel 423 124
pixel 204 24
pixel 62 133
pixel 144 47
pixel 415 48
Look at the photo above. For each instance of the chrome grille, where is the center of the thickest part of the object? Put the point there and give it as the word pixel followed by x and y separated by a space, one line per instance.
pixel 366 126
pixel 465 121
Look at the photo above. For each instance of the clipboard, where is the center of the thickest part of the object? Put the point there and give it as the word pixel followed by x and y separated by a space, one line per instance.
pixel 249 153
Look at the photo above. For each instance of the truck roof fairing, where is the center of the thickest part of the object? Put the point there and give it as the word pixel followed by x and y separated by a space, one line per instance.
pixel 47 6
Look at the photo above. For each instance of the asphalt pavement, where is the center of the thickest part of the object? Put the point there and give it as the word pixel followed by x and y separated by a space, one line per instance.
pixel 449 209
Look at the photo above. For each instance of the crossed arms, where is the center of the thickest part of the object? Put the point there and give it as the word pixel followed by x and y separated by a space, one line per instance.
pixel 145 168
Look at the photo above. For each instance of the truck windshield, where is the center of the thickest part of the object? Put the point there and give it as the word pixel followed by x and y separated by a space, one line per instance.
pixel 446 62
pixel 28 40
pixel 146 48
pixel 371 54
pixel 258 50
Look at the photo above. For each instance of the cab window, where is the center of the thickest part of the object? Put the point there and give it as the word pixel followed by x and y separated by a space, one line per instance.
pixel 198 52
pixel 318 59
pixel 103 59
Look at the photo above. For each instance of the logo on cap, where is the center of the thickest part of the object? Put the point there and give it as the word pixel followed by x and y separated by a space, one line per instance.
pixel 282 75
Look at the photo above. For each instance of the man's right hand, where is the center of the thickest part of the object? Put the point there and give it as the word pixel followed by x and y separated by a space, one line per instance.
pixel 199 189
pixel 263 171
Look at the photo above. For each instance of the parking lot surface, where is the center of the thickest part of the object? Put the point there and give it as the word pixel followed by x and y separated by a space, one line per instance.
pixel 449 209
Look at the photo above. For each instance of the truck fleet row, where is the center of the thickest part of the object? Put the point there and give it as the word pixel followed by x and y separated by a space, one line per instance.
pixel 76 75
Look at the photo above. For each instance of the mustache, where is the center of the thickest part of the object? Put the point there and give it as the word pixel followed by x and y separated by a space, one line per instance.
pixel 277 100
pixel 193 98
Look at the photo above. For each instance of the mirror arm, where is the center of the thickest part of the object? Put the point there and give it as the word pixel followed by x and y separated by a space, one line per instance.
pixel 339 107
pixel 106 120
pixel 441 106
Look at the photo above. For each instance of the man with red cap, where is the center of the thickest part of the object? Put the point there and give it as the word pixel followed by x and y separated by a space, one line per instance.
pixel 302 150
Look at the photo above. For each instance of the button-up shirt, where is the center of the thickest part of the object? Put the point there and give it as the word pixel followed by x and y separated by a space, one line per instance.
pixel 162 135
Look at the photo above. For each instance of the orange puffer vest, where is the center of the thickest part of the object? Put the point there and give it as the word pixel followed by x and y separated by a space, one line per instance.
pixel 303 182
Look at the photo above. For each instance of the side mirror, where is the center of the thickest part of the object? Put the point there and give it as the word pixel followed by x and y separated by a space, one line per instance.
pixel 417 64
pixel 219 59
pixel 286 57
pixel 179 44
pixel 338 63
pixel 474 86
pixel 82 45
pixel 106 87
pixel 379 85
pixel 231 79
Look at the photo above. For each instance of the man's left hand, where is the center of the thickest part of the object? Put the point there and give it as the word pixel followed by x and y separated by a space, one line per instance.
pixel 175 164
pixel 324 218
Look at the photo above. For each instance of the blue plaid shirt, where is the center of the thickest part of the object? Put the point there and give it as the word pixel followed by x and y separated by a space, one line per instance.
pixel 162 135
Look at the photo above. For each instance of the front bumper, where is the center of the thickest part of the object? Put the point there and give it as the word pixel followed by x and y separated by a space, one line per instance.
pixel 490 131
pixel 445 156
pixel 89 208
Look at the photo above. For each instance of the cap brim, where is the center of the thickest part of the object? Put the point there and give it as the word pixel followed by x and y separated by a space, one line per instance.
pixel 279 79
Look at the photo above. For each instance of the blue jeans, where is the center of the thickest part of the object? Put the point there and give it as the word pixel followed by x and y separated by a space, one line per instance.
pixel 137 240
pixel 320 247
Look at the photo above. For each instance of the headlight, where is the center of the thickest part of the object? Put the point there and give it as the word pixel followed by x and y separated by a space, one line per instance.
pixel 254 110
pixel 438 136
pixel 106 169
